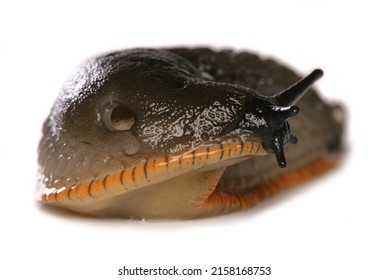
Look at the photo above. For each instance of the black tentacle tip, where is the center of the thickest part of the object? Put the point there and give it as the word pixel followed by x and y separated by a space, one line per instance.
pixel 288 112
pixel 279 154
pixel 316 74
pixel 282 163
pixel 291 95
pixel 294 111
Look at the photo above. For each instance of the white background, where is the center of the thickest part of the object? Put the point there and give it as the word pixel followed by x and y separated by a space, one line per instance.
pixel 332 228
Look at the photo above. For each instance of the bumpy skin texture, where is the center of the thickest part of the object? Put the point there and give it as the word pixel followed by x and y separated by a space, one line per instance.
pixel 174 102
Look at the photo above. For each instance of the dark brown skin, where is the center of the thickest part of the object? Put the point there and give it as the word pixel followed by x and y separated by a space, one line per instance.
pixel 122 113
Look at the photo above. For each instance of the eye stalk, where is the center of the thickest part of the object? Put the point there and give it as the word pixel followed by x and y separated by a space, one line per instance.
pixel 268 117
pixel 291 95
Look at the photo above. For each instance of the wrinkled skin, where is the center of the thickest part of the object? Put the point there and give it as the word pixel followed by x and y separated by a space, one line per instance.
pixel 120 110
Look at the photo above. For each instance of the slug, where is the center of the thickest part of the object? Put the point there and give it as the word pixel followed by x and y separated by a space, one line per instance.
pixel 183 133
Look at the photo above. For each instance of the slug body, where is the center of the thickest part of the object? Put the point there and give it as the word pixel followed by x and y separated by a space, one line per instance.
pixel 182 133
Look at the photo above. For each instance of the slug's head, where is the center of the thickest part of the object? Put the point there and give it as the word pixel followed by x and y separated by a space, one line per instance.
pixel 268 117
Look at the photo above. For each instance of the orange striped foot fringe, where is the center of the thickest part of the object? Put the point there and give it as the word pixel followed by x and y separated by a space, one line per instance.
pixel 251 197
